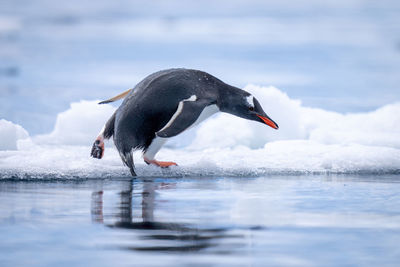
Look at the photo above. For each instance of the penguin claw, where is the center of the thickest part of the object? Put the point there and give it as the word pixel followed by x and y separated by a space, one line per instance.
pixel 162 164
pixel 97 149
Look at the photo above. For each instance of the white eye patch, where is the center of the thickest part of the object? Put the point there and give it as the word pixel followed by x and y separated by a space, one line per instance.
pixel 250 100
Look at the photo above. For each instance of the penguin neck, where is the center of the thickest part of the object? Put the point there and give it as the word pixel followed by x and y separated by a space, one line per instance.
pixel 227 95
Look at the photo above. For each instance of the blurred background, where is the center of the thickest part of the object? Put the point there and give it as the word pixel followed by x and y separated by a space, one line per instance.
pixel 340 55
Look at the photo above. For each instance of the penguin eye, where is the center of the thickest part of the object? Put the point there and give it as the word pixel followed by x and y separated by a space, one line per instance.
pixel 251 108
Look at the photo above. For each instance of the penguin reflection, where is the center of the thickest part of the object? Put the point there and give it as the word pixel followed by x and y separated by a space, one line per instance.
pixel 180 237
pixel 97 207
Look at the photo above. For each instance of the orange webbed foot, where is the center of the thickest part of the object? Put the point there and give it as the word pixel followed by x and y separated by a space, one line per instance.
pixel 162 164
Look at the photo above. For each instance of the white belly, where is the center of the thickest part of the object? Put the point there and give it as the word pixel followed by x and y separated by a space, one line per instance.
pixel 158 142
pixel 205 114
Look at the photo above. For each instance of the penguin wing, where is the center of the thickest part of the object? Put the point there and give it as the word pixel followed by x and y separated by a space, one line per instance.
pixel 185 116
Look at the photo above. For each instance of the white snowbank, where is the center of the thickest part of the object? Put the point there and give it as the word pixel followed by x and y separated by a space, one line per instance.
pixel 309 140
pixel 377 128
pixel 10 133
pixel 79 125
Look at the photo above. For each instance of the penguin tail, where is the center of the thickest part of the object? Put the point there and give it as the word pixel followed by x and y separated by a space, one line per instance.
pixel 117 97
pixel 127 158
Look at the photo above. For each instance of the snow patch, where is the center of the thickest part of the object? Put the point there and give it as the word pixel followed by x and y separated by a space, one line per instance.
pixel 79 125
pixel 10 134
pixel 377 128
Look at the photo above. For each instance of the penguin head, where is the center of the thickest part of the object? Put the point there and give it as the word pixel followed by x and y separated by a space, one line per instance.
pixel 246 106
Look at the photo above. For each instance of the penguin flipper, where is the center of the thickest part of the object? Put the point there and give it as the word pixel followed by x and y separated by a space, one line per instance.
pixel 185 116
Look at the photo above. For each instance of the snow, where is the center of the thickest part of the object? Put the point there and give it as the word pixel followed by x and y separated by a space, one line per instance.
pixel 78 125
pixel 309 140
pixel 10 133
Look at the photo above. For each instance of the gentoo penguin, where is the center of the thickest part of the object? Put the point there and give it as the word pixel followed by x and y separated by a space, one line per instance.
pixel 165 104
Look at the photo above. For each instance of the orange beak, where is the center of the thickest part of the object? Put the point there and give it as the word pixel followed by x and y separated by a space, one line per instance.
pixel 268 122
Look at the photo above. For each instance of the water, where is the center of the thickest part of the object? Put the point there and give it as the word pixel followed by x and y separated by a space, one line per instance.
pixel 273 220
